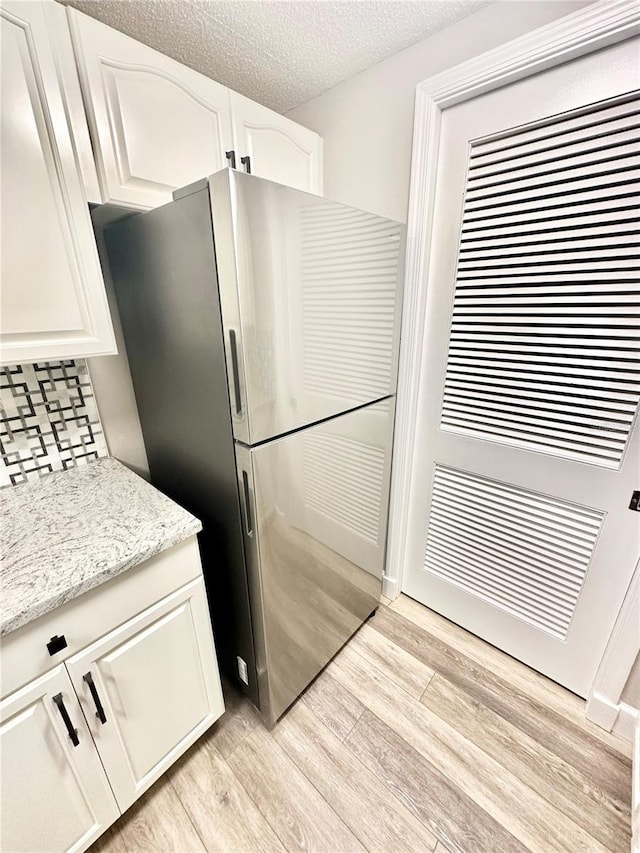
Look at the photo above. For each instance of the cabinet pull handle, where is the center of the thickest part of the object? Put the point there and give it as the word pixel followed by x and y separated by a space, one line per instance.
pixel 247 504
pixel 73 733
pixel 100 714
pixel 246 162
pixel 235 370
pixel 231 157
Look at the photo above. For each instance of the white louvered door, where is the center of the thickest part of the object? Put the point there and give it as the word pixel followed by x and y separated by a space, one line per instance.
pixel 529 453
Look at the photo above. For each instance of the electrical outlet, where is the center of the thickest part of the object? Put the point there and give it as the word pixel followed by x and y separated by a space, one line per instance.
pixel 242 671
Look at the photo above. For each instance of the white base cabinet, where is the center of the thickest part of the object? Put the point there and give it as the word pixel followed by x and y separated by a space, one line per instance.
pixel 155 690
pixel 55 795
pixel 157 125
pixel 53 300
pixel 79 744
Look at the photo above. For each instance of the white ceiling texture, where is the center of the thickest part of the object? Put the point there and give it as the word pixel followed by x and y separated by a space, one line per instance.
pixel 281 53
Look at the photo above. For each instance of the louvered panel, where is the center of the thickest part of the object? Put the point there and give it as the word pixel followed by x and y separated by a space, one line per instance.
pixel 552 256
pixel 566 182
pixel 544 349
pixel 531 405
pixel 574 172
pixel 615 206
pixel 349 271
pixel 625 238
pixel 599 123
pixel 577 159
pixel 343 481
pixel 620 219
pixel 606 195
pixel 576 232
pixel 522 552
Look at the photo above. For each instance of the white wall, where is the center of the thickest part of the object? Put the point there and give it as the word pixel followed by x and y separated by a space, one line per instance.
pixel 367 121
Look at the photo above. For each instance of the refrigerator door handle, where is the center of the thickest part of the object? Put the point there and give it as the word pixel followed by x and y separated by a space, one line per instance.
pixel 248 515
pixel 236 371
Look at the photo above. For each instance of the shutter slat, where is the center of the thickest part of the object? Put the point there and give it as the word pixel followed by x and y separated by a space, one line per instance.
pixel 582 199
pixel 578 156
pixel 564 180
pixel 563 567
pixel 616 207
pixel 484 392
pixel 554 137
pixel 554 379
pixel 510 547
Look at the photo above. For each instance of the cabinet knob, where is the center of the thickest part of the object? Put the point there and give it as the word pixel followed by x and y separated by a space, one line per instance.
pixel 56 644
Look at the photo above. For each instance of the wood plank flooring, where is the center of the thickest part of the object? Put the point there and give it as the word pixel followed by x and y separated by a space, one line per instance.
pixel 417 737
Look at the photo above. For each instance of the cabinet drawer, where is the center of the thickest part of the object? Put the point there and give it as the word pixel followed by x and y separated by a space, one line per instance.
pixel 93 614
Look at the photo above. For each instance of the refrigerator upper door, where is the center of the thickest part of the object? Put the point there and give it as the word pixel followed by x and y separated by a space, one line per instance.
pixel 311 294
pixel 315 507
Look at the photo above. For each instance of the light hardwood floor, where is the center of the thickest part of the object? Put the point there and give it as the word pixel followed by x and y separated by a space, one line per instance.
pixel 417 737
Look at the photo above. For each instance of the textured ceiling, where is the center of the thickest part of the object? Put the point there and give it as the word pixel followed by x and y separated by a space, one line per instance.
pixel 278 52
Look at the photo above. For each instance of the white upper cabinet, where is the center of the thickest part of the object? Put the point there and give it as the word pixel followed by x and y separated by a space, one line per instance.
pixel 278 148
pixel 53 301
pixel 157 125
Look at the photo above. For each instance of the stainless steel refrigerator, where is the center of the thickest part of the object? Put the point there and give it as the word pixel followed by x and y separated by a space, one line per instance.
pixel 262 330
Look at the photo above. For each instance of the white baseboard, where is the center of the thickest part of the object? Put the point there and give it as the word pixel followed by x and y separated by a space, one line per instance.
pixel 601 712
pixel 390 587
pixel 618 718
pixel 625 723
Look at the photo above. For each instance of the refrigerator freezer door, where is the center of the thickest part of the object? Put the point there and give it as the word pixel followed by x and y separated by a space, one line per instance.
pixel 315 507
pixel 311 295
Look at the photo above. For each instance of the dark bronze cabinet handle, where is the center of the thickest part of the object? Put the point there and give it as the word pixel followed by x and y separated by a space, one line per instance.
pixel 73 733
pixel 100 714
pixel 231 157
pixel 246 162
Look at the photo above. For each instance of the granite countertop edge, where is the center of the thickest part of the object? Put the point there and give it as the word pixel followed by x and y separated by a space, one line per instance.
pixel 73 531
pixel 41 608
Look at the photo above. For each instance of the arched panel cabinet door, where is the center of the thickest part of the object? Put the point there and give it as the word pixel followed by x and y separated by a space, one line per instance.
pixel 278 148
pixel 53 302
pixel 156 125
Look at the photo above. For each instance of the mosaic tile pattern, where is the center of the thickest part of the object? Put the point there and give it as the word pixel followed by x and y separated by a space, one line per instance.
pixel 48 420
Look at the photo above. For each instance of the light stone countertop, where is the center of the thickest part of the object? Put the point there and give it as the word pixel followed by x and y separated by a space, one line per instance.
pixel 73 530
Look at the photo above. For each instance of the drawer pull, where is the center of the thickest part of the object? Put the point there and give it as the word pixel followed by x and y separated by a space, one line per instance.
pixel 100 714
pixel 56 644
pixel 73 733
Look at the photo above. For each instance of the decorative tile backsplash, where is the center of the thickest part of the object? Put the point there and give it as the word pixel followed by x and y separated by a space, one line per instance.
pixel 48 420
